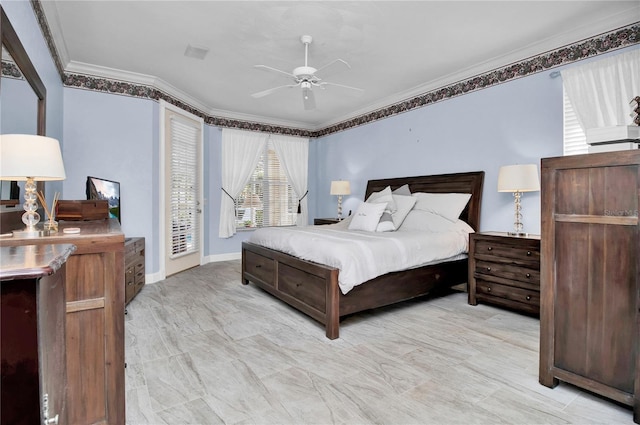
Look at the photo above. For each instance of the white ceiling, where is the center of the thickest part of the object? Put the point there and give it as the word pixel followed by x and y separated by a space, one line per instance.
pixel 396 49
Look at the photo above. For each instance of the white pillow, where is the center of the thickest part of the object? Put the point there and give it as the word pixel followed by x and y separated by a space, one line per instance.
pixel 386 223
pixel 383 196
pixel 403 190
pixel 390 222
pixel 448 205
pixel 367 216
pixel 420 220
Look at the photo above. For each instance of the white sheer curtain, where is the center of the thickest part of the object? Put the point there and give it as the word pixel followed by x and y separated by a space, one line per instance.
pixel 293 153
pixel 241 151
pixel 600 91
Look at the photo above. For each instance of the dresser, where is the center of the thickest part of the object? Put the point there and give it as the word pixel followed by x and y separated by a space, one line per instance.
pixel 505 270
pixel 94 319
pixel 590 271
pixel 134 275
pixel 32 333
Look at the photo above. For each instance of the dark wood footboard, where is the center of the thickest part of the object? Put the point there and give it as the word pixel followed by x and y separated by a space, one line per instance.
pixel 313 288
pixel 309 287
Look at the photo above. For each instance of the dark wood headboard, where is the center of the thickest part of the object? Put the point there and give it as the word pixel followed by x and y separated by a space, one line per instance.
pixel 470 182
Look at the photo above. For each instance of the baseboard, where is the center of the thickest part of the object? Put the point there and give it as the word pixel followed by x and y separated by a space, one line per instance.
pixel 222 257
pixel 152 278
pixel 157 277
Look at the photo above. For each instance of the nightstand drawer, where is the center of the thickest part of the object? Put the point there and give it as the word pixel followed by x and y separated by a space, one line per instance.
pixel 506 250
pixel 508 292
pixel 508 271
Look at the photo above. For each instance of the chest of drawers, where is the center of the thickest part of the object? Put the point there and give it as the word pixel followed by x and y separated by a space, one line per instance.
pixel 505 270
pixel 134 274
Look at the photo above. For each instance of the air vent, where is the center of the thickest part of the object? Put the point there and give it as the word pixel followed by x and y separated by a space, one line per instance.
pixel 196 52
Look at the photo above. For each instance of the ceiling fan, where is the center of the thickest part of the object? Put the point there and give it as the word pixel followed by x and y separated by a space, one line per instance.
pixel 304 77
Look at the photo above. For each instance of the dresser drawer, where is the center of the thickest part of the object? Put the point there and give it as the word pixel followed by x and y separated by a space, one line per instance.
pixel 505 250
pixel 520 295
pixel 261 267
pixel 508 271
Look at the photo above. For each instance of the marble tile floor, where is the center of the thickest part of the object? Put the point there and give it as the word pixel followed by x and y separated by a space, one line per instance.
pixel 203 349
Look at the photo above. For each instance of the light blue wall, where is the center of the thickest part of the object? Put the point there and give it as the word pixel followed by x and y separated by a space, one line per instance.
pixel 21 107
pixel 518 122
pixel 116 138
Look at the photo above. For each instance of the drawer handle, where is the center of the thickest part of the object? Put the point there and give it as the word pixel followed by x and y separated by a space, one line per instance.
pixel 488 288
pixel 490 248
pixel 528 297
pixel 488 269
pixel 528 274
pixel 528 252
pixel 258 266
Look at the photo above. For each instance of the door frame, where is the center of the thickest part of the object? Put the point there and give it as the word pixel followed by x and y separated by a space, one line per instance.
pixel 162 231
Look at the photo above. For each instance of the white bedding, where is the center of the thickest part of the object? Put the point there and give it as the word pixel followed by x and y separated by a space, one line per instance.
pixel 361 256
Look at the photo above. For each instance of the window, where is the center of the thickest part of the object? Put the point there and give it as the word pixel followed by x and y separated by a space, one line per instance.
pixel 183 185
pixel 575 140
pixel 268 199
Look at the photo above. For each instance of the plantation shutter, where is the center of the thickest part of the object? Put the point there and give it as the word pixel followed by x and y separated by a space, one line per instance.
pixel 184 189
pixel 280 203
pixel 268 199
pixel 575 140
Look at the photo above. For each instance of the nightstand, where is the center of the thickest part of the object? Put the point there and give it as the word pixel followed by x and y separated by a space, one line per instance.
pixel 317 221
pixel 505 270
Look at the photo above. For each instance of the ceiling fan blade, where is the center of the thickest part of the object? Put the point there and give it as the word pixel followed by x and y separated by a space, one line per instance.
pixel 332 63
pixel 268 68
pixel 308 99
pixel 271 90
pixel 325 83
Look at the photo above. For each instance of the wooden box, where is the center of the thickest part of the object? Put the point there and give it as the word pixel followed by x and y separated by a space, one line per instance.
pixel 82 210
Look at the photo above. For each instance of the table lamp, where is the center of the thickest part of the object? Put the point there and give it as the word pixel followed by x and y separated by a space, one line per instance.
pixel 518 179
pixel 30 158
pixel 340 187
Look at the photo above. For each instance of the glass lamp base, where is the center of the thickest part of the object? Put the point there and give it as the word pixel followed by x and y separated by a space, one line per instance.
pixel 518 233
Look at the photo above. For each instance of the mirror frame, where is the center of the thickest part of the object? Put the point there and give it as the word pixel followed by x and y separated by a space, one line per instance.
pixel 11 41
pixel 15 48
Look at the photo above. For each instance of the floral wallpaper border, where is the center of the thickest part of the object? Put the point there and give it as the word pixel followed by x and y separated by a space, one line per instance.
pixel 11 70
pixel 607 42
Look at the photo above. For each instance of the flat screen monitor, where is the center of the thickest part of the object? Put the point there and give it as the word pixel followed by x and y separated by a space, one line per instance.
pixel 98 188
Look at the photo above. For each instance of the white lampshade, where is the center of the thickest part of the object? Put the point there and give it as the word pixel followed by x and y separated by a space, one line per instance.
pixel 518 178
pixel 340 187
pixel 28 155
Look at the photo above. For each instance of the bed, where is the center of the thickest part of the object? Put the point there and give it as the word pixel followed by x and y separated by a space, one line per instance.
pixel 313 288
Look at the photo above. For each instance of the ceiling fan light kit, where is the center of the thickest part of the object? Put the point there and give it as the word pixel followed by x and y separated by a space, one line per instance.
pixel 304 77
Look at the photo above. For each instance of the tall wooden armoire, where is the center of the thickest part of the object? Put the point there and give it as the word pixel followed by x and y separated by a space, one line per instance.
pixel 590 274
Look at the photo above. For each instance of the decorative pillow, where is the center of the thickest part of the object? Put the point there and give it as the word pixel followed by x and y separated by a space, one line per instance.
pixel 383 196
pixel 448 205
pixel 420 220
pixel 390 222
pixel 367 216
pixel 386 223
pixel 403 190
